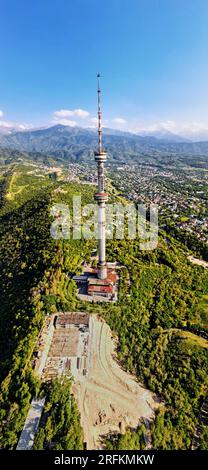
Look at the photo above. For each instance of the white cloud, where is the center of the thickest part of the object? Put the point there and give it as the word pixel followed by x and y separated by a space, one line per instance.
pixel 65 113
pixel 65 122
pixel 24 126
pixel 194 130
pixel 119 121
pixel 92 123
pixel 6 124
pixel 168 125
pixel 62 116
pixel 156 127
pixel 191 130
pixel 94 120
pixel 9 125
pixel 195 126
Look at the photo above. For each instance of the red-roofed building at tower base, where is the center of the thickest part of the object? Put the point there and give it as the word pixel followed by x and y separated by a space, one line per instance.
pixel 104 287
pixel 94 289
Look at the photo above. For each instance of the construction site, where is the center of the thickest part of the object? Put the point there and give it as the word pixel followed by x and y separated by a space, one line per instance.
pixel 63 346
pixel 109 399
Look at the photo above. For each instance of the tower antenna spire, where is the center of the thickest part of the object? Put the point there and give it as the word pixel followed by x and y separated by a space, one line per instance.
pixel 99 116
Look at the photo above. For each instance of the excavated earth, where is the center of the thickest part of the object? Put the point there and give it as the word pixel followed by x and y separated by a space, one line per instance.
pixel 109 399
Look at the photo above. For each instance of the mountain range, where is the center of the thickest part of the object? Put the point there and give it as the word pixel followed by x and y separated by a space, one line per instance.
pixel 77 144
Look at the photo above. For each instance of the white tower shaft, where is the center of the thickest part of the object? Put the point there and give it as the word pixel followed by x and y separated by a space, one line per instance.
pixel 101 196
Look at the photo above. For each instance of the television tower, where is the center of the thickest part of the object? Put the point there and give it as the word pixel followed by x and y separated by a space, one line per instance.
pixel 101 196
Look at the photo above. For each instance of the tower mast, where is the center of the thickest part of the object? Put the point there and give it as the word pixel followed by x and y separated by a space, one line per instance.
pixel 101 196
pixel 99 116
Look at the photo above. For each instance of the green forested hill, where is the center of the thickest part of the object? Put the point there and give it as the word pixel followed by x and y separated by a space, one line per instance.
pixel 77 144
pixel 159 318
pixel 33 282
pixel 11 156
pixel 153 323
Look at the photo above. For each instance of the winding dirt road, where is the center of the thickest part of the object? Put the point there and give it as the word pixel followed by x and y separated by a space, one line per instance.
pixel 109 399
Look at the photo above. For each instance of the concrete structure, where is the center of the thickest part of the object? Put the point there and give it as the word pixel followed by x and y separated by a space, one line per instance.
pixel 69 346
pixel 93 289
pixel 44 345
pixel 103 287
pixel 29 431
pixel 67 320
pixel 101 196
pixel 106 291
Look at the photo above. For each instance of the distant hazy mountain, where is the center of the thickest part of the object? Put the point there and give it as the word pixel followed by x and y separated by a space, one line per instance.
pixel 165 135
pixel 78 144
pixel 4 130
pixel 75 143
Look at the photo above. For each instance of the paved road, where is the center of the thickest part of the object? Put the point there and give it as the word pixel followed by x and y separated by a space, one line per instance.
pixel 31 425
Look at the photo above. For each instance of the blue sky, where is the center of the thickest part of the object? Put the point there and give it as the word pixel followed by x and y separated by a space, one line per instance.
pixel 152 55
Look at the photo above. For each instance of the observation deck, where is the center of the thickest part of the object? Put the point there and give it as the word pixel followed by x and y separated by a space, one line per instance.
pixel 101 197
pixel 100 156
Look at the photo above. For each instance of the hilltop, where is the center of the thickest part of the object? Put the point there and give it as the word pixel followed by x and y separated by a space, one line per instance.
pixel 159 318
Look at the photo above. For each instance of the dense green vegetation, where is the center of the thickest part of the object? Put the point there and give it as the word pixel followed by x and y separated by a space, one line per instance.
pixel 203 441
pixel 12 156
pixel 131 440
pixel 60 423
pixel 33 282
pixel 152 319
pixel 158 319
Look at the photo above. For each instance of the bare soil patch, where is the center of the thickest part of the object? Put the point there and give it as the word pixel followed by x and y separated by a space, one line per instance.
pixel 109 399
